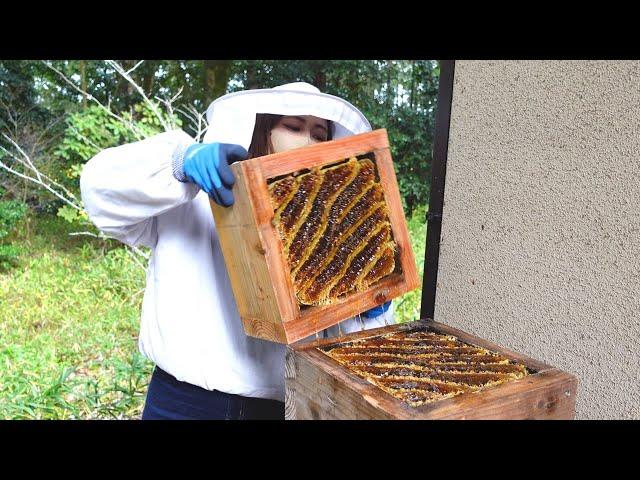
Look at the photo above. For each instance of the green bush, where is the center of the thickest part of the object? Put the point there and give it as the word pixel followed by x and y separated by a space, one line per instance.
pixel 92 129
pixel 11 212
pixel 407 307
pixel 88 132
pixel 68 330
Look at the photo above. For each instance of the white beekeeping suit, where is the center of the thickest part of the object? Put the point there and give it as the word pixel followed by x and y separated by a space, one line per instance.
pixel 190 324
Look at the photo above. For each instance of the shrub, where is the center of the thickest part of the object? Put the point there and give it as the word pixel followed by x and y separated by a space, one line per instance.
pixel 11 212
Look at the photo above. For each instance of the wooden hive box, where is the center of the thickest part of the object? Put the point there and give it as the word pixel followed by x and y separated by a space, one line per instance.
pixel 319 387
pixel 255 256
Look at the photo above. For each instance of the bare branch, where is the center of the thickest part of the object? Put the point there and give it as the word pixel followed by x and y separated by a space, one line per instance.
pixel 187 114
pixel 89 234
pixel 197 119
pixel 118 68
pixel 139 134
pixel 135 66
pixel 38 182
pixel 29 164
pixel 139 252
pixel 46 129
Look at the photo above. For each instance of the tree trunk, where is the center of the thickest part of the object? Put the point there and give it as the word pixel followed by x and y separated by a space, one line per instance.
pixel 251 77
pixel 127 66
pixel 389 99
pixel 320 79
pixel 413 84
pixel 121 89
pixel 216 77
pixel 149 74
pixel 83 81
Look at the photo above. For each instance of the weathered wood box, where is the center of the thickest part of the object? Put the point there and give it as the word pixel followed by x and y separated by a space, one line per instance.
pixel 260 257
pixel 319 386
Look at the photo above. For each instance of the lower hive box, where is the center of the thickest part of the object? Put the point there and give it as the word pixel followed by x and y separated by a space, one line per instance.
pixel 421 370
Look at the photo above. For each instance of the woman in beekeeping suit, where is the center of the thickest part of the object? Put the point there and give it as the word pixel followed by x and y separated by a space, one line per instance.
pixel 155 193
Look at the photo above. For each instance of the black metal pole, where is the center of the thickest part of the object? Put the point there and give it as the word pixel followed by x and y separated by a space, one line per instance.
pixel 436 197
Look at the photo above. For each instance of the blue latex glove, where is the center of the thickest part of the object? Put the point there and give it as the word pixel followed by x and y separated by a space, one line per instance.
pixel 207 165
pixel 379 310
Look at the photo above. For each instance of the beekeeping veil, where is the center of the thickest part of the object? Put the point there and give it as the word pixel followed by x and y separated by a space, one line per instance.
pixel 232 117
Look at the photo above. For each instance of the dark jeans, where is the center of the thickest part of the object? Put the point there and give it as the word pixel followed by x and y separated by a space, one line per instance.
pixel 171 399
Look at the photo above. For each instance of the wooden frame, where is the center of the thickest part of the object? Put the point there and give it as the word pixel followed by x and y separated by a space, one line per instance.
pixel 254 254
pixel 318 387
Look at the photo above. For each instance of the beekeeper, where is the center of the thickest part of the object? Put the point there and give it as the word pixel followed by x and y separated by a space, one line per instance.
pixel 155 193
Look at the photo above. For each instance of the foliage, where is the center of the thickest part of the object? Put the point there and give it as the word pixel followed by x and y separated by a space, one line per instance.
pixel 69 323
pixel 11 212
pixel 26 120
pixel 17 88
pixel 200 81
pixel 407 307
pixel 68 328
pixel 92 129
pixel 397 95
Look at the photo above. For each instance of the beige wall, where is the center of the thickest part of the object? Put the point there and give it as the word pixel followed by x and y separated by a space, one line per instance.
pixel 540 248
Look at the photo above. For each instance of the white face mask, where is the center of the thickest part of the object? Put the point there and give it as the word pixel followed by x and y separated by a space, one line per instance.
pixel 298 131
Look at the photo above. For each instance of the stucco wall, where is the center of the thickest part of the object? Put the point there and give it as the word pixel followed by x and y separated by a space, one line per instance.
pixel 540 248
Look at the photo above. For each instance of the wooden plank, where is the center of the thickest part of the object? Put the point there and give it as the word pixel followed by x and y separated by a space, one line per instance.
pixel 397 218
pixel 314 319
pixel 276 263
pixel 255 327
pixel 548 395
pixel 244 255
pixel 325 394
pixel 290 375
pixel 322 388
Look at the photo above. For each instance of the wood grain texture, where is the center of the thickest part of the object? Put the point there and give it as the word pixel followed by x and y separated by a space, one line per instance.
pixel 254 254
pixel 276 264
pixel 263 329
pixel 387 175
pixel 328 393
pixel 321 388
pixel 244 254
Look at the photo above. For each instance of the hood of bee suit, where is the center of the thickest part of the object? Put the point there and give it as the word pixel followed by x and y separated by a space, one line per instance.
pixel 232 117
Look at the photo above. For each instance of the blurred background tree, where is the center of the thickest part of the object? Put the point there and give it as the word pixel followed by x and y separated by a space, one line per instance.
pixel 36 105
pixel 397 95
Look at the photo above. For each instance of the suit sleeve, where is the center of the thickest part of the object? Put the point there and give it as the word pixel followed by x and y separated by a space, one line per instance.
pixel 124 189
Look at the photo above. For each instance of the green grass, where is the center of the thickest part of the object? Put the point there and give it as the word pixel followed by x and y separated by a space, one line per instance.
pixel 69 316
pixel 69 320
pixel 407 307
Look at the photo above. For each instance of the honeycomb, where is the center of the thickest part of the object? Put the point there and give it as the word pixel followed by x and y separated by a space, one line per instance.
pixel 334 226
pixel 421 367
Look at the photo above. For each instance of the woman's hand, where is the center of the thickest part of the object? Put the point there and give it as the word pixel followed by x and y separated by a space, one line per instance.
pixel 207 165
pixel 379 310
